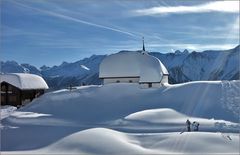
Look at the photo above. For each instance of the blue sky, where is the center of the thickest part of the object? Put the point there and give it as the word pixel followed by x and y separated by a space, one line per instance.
pixel 52 31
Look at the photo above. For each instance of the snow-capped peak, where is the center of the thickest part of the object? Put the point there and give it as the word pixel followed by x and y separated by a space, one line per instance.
pixel 185 51
pixel 178 52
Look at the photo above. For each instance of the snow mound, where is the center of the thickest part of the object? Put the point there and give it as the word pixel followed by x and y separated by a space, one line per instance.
pixel 166 120
pixel 163 115
pixel 97 141
pixel 108 141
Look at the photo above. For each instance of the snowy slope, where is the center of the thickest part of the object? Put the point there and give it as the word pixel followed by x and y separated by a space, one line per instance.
pixel 200 99
pixel 211 65
pixel 206 65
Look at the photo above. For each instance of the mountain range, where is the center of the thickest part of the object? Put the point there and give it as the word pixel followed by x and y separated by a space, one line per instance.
pixel 182 67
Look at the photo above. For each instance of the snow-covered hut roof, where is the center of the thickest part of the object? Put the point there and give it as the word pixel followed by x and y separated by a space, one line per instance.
pixel 24 81
pixel 133 64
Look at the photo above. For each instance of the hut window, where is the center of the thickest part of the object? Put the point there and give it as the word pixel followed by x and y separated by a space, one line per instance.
pixel 130 81
pixel 10 88
pixel 3 89
pixel 13 98
pixel 118 81
pixel 149 85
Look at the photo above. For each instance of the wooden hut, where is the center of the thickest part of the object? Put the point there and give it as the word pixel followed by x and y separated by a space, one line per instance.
pixel 20 88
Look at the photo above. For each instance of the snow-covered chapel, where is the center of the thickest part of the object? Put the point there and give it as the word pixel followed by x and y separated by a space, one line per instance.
pixel 133 67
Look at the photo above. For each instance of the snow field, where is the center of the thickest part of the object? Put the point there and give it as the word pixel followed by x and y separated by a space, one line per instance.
pixel 117 118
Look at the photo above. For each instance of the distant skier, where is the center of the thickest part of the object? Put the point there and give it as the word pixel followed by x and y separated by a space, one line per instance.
pixel 195 126
pixel 188 123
